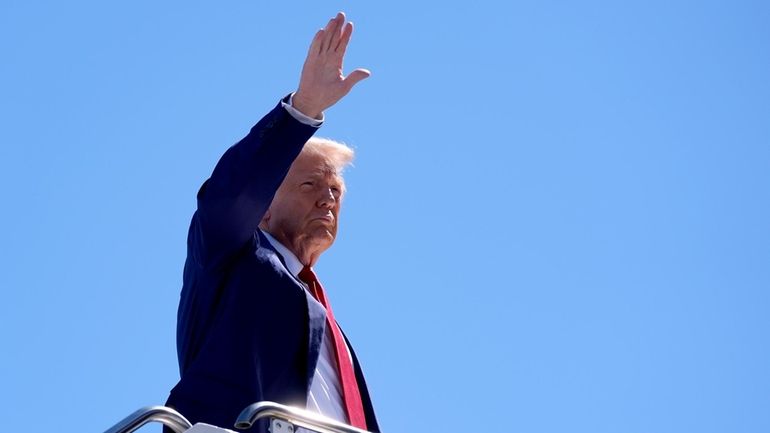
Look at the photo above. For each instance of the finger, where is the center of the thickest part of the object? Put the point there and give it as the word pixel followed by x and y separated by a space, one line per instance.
pixel 342 45
pixel 327 35
pixel 332 29
pixel 354 77
pixel 337 31
pixel 315 45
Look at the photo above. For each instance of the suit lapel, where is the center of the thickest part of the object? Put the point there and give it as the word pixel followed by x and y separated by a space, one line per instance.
pixel 316 314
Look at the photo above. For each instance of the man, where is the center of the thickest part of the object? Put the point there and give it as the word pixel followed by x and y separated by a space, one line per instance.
pixel 254 323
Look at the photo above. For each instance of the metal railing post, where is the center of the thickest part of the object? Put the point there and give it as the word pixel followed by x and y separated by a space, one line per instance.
pixel 164 415
pixel 294 416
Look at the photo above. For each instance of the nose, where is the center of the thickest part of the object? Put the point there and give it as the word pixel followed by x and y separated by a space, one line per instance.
pixel 327 200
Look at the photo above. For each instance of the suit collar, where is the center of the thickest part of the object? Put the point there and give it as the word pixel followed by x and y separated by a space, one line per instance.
pixel 292 263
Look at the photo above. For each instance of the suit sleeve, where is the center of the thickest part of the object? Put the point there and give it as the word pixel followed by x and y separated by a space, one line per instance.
pixel 232 202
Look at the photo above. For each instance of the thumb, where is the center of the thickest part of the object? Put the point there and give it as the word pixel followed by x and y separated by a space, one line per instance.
pixel 356 76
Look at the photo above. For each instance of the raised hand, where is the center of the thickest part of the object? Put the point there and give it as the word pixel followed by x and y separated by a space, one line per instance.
pixel 322 82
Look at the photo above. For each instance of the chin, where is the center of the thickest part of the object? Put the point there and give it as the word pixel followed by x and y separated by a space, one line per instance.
pixel 325 238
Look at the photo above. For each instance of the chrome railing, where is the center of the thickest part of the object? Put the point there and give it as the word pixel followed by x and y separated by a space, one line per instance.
pixel 283 419
pixel 164 415
pixel 286 418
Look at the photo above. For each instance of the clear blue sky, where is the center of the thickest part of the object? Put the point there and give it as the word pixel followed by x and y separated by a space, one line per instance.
pixel 558 219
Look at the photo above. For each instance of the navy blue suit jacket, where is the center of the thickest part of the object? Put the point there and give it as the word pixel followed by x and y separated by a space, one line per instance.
pixel 246 329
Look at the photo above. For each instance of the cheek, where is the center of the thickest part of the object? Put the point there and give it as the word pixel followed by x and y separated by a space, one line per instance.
pixel 285 215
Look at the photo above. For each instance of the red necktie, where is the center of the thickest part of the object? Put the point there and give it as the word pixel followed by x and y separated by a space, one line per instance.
pixel 347 375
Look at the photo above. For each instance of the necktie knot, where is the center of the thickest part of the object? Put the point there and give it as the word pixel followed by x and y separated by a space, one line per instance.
pixel 307 275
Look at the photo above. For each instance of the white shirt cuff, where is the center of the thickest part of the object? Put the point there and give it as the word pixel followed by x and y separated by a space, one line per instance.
pixel 307 120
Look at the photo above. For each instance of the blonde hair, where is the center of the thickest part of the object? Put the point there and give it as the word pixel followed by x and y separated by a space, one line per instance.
pixel 338 155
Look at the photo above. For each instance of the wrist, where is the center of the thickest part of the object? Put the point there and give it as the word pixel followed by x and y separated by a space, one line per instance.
pixel 306 107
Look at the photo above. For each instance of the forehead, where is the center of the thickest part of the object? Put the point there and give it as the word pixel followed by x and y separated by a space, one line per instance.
pixel 314 165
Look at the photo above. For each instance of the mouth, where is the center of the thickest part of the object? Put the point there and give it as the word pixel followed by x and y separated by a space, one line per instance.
pixel 325 218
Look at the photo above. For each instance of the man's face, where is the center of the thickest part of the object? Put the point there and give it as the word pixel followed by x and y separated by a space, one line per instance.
pixel 304 211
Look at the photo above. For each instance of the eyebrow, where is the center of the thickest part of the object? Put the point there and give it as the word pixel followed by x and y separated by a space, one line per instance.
pixel 324 172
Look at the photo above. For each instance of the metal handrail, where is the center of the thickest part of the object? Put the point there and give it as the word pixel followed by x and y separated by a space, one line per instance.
pixel 162 414
pixel 299 417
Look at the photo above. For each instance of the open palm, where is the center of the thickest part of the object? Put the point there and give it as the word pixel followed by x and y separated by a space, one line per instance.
pixel 322 82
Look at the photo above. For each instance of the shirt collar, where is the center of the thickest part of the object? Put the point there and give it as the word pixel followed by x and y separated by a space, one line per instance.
pixel 293 264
